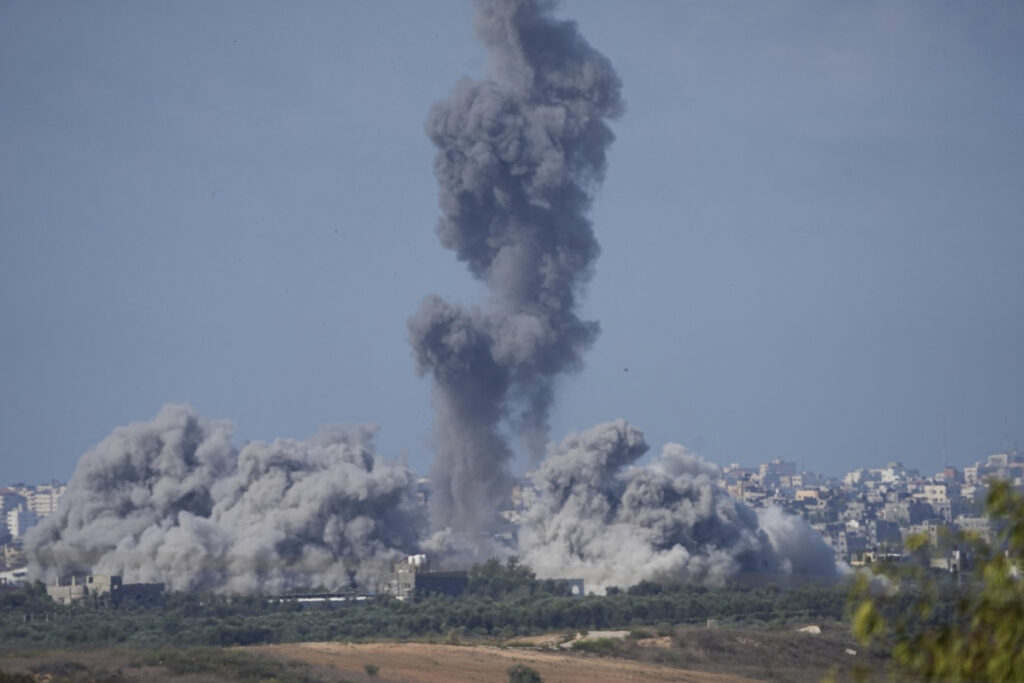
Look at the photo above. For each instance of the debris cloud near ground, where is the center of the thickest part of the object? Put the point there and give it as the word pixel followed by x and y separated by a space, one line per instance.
pixel 601 517
pixel 172 500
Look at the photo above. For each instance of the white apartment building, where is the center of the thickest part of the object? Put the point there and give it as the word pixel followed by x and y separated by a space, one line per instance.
pixel 19 520
pixel 43 500
pixel 853 478
pixel 10 499
pixel 934 494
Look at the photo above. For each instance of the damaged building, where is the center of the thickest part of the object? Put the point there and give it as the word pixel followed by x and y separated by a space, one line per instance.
pixel 110 588
pixel 413 576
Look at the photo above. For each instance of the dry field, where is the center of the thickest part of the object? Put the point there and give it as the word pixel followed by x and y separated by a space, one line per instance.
pixel 433 663
pixel 685 654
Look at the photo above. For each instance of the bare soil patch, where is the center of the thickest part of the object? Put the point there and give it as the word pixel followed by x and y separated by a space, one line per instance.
pixel 435 663
pixel 723 655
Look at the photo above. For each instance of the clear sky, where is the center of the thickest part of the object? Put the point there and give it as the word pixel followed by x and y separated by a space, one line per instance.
pixel 812 225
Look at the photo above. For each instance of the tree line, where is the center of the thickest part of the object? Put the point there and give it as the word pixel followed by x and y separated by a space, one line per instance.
pixel 503 599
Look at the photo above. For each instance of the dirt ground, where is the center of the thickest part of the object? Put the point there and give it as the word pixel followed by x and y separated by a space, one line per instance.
pixel 443 663
pixel 685 654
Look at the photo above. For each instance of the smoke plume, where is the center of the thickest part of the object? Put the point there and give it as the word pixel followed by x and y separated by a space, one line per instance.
pixel 599 519
pixel 518 155
pixel 172 501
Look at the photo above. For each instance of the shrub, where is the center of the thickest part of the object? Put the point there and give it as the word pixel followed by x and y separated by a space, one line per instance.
pixel 598 646
pixel 520 673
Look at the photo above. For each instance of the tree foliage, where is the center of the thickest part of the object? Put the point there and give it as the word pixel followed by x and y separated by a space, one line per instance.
pixel 504 599
pixel 520 673
pixel 963 627
pixel 513 579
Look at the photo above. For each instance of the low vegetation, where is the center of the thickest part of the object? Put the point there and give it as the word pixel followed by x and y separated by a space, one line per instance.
pixel 120 665
pixel 29 618
pixel 520 673
pixel 196 636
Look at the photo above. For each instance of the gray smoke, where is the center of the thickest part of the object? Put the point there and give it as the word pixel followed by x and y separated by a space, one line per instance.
pixel 171 500
pixel 599 519
pixel 802 549
pixel 518 156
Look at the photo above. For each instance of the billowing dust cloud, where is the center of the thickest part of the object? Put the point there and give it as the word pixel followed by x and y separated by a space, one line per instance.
pixel 171 500
pixel 599 518
pixel 518 155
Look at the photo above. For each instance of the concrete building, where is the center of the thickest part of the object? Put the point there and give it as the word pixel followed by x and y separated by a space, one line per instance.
pixel 10 499
pixel 446 583
pixel 43 500
pixel 74 588
pixel 884 534
pixel 19 520
pixel 933 530
pixel 777 473
pixel 905 512
pixel 854 477
pixel 12 556
pixel 14 577
pixel 998 460
pixel 413 576
pixel 980 526
pixel 934 494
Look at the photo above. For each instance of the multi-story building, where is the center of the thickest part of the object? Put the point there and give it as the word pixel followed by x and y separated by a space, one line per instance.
pixel 75 588
pixel 19 520
pixel 10 499
pixel 980 526
pixel 773 473
pixel 43 499
pixel 934 494
pixel 413 575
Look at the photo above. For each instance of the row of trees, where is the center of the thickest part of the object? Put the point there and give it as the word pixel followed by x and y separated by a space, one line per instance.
pixel 502 600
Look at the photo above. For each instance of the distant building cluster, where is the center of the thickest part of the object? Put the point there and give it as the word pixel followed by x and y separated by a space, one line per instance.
pixel 868 513
pixel 21 508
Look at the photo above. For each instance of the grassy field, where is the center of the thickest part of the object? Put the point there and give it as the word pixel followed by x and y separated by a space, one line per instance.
pixel 679 654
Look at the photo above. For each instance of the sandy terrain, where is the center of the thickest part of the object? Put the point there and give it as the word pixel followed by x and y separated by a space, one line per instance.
pixel 444 663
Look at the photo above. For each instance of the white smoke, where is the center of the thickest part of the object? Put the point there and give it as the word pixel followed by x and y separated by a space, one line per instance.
pixel 802 549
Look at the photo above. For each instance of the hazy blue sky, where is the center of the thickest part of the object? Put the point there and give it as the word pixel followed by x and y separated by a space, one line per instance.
pixel 812 224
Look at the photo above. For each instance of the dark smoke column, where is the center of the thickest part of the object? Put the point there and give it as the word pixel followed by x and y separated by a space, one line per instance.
pixel 518 157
